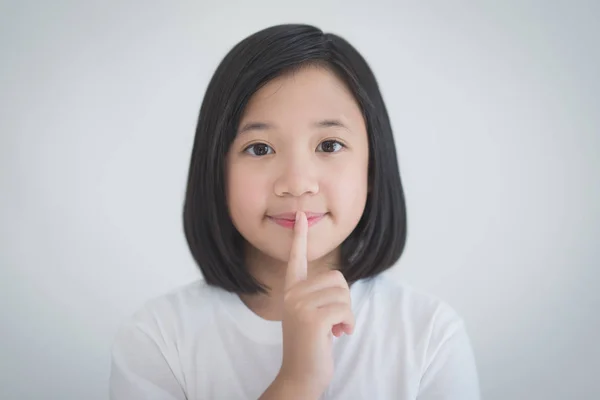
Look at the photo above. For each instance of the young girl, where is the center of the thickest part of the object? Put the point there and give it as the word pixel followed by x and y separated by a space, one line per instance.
pixel 294 207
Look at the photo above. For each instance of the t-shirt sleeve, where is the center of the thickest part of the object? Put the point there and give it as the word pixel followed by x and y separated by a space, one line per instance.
pixel 451 373
pixel 140 368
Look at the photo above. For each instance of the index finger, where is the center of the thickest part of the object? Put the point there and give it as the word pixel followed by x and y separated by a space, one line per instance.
pixel 297 269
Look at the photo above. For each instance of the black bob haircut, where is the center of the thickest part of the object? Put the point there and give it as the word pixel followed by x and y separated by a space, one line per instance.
pixel 378 240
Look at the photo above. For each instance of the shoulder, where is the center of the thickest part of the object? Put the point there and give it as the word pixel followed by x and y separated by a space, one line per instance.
pixel 435 340
pixel 411 309
pixel 429 335
pixel 152 347
pixel 172 314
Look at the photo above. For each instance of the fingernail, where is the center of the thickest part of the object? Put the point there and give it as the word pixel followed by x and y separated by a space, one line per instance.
pixel 297 216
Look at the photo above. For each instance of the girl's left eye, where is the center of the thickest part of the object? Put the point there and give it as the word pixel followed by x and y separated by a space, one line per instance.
pixel 259 149
pixel 330 146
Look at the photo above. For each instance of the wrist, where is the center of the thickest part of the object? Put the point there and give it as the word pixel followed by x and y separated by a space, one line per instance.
pixel 294 389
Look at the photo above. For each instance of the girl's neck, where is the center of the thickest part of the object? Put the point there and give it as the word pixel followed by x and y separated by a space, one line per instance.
pixel 271 273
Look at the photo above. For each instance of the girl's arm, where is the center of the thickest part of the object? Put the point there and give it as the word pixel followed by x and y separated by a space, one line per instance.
pixel 451 373
pixel 283 388
pixel 139 368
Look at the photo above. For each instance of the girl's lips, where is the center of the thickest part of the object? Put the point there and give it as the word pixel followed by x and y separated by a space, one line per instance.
pixel 288 220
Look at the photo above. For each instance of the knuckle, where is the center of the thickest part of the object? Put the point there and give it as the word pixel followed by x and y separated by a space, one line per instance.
pixel 348 296
pixel 336 273
pixel 350 313
pixel 338 277
pixel 342 294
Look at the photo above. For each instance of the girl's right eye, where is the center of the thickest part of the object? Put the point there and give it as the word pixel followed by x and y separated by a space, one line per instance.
pixel 258 149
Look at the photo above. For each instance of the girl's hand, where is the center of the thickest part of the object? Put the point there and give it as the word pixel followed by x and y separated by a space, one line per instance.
pixel 315 310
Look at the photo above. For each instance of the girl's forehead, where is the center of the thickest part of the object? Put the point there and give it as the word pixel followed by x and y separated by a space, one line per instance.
pixel 311 93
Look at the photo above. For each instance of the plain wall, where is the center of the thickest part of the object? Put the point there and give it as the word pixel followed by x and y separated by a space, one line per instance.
pixel 495 108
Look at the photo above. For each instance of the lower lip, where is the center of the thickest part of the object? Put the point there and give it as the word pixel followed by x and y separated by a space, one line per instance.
pixel 288 223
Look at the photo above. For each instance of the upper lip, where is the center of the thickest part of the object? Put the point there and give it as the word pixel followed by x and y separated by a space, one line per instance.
pixel 291 216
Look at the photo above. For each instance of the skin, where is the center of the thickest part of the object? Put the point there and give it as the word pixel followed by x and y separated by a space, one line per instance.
pixel 315 309
pixel 302 148
pixel 296 174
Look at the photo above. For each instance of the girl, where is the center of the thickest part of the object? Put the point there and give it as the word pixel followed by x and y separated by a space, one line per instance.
pixel 294 207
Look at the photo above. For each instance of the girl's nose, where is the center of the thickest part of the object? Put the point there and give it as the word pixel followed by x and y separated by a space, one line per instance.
pixel 296 179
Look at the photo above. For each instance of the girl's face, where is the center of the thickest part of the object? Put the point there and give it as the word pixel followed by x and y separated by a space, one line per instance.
pixel 301 146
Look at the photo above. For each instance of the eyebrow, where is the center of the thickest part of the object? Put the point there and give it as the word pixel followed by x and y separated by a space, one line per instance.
pixel 263 126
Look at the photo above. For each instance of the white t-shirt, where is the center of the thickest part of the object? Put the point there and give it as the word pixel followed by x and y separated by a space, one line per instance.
pixel 201 342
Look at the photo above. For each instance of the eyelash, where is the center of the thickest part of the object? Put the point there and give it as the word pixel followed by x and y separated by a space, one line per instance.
pixel 253 146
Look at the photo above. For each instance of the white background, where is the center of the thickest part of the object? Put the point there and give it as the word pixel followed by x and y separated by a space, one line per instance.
pixel 495 108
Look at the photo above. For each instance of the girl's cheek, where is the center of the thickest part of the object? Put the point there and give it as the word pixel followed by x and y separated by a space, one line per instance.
pixel 349 192
pixel 249 192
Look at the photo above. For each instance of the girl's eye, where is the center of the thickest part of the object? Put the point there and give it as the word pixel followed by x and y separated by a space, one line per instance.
pixel 258 149
pixel 330 146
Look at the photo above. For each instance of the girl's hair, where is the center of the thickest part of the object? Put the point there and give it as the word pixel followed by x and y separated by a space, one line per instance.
pixel 378 240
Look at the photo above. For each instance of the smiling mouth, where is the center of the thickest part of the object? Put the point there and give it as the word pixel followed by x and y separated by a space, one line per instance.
pixel 288 220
